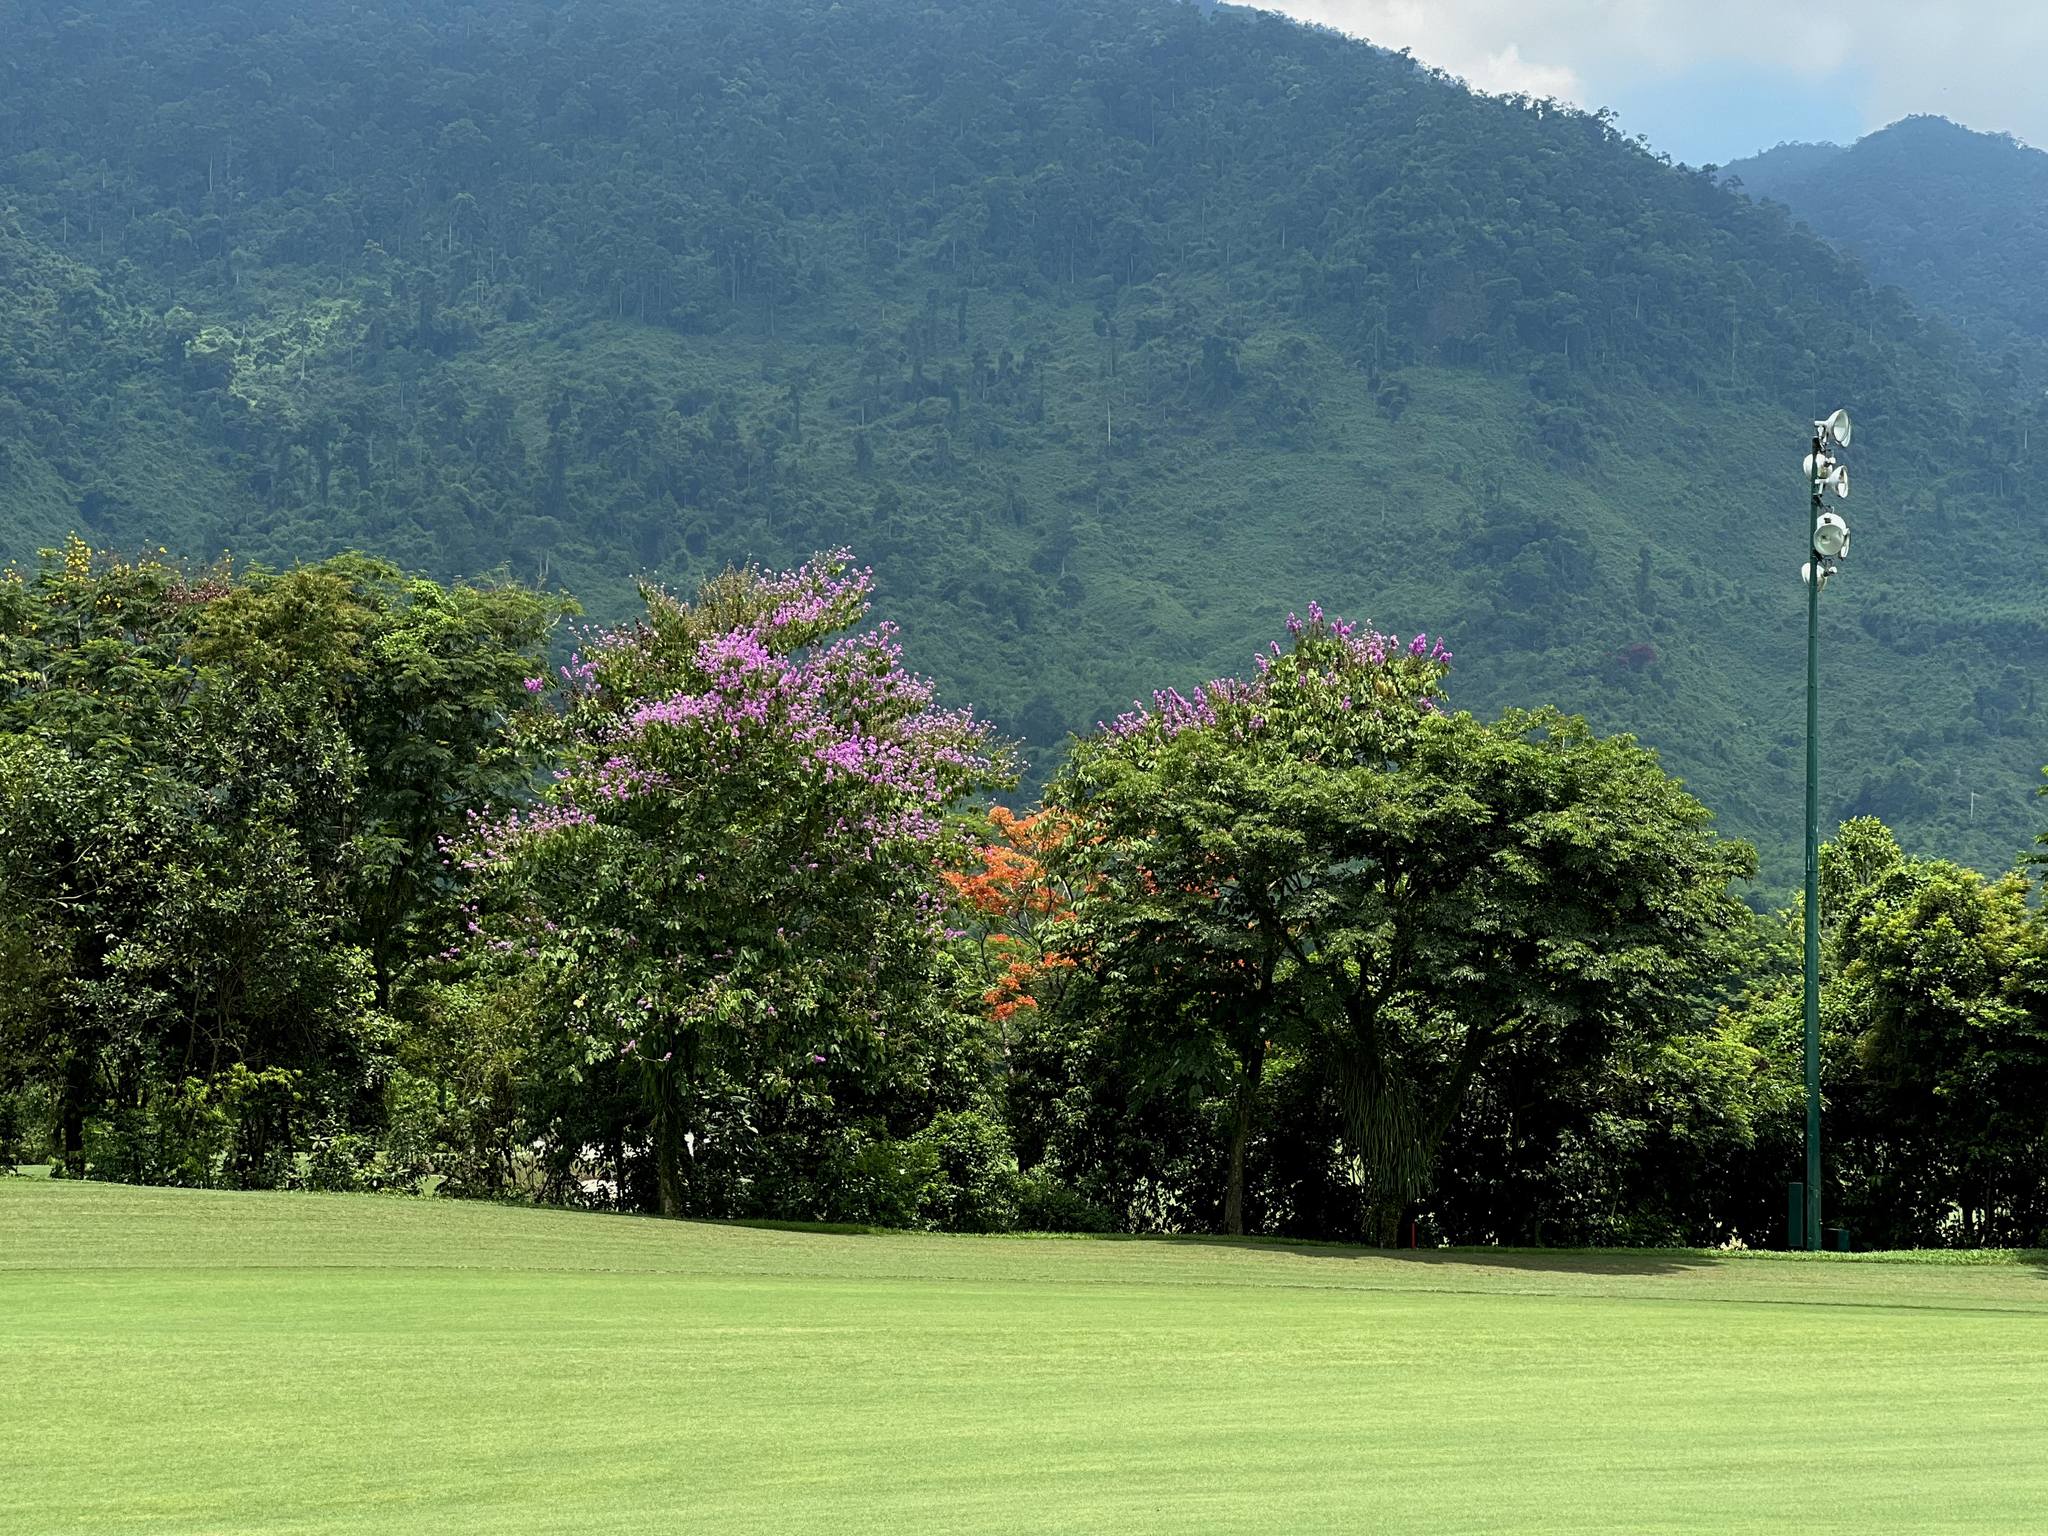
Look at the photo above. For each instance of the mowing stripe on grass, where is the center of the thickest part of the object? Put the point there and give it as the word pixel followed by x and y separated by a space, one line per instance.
pixel 199 1362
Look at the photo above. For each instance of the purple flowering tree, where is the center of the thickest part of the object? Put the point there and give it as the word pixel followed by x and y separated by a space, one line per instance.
pixel 1321 863
pixel 730 886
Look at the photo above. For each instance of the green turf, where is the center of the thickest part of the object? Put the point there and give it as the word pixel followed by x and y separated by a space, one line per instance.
pixel 185 1362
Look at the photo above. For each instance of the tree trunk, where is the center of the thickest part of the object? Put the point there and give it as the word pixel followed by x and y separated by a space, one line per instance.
pixel 1396 1139
pixel 75 1096
pixel 1383 1220
pixel 667 1168
pixel 669 1146
pixel 1252 1067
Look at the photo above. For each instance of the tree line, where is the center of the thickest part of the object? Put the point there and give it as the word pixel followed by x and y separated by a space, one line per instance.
pixel 335 877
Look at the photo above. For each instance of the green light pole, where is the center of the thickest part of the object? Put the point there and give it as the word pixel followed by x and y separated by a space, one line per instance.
pixel 1827 542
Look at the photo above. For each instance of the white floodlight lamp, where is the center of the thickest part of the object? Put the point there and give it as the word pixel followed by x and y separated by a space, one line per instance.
pixel 1816 465
pixel 1836 426
pixel 1838 481
pixel 1831 536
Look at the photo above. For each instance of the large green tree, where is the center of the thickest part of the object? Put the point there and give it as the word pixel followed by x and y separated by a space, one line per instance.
pixel 432 685
pixel 1934 1012
pixel 1323 852
pixel 731 889
pixel 205 783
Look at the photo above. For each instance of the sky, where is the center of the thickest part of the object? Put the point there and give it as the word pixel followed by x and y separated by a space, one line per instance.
pixel 1710 81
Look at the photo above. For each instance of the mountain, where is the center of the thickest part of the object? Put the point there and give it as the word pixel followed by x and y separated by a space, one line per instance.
pixel 1957 219
pixel 1107 330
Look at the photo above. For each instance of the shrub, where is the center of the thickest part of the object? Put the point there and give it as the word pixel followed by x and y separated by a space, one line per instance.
pixel 25 1127
pixel 343 1163
pixel 265 1110
pixel 1045 1204
pixel 974 1185
pixel 180 1135
pixel 415 1130
pixel 883 1182
pixel 238 1130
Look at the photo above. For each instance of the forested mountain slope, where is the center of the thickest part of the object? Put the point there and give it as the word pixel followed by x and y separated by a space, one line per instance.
pixel 1107 330
pixel 1957 219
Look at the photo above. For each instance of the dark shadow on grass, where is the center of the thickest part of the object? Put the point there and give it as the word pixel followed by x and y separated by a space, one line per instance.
pixel 1583 1261
pixel 1633 1262
pixel 1622 1261
pixel 2035 1259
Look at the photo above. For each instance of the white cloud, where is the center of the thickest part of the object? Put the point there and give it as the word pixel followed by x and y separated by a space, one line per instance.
pixel 1979 63
pixel 1484 42
pixel 1507 73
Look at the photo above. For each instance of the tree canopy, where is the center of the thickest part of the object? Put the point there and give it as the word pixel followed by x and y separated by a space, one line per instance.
pixel 730 884
pixel 1324 853
pixel 220 797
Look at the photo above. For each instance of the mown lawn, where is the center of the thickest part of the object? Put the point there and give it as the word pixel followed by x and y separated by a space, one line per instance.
pixel 194 1362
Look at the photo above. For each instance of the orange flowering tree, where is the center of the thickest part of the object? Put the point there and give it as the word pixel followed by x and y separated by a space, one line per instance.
pixel 1016 905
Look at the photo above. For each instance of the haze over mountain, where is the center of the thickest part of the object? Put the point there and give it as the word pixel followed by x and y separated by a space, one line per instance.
pixel 1957 219
pixel 1709 84
pixel 1108 332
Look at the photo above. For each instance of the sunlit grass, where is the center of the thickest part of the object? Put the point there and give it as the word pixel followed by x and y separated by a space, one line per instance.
pixel 187 1362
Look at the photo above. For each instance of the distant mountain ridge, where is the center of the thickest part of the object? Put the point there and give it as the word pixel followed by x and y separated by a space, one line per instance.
pixel 1107 330
pixel 1956 218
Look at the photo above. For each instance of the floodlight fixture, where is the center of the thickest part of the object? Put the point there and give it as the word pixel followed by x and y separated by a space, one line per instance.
pixel 1831 536
pixel 1836 425
pixel 1826 474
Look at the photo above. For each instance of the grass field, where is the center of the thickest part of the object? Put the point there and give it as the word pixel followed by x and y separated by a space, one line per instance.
pixel 178 1361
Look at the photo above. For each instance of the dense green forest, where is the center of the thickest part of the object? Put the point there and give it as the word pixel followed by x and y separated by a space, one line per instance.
pixel 325 879
pixel 1104 330
pixel 1958 220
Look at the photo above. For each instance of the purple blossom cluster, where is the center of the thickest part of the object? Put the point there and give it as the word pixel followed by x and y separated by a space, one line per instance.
pixel 1171 712
pixel 772 694
pixel 1323 646
pixel 620 778
pixel 492 839
pixel 849 707
pixel 824 594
